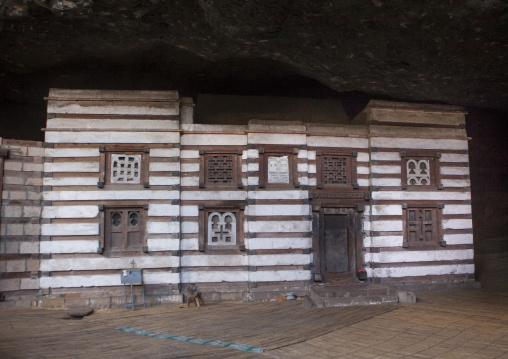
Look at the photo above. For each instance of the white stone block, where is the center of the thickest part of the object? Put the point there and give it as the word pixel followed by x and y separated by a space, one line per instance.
pixel 311 168
pixel 70 246
pixel 312 181
pixel 302 154
pixel 463 238
pixel 164 152
pixel 190 244
pixel 456 183
pixel 387 210
pixel 329 141
pixel 277 138
pixel 214 260
pixel 29 283
pixel 164 181
pixel 253 154
pixel 311 155
pixel 454 170
pixel 280 275
pixel 213 139
pixel 363 157
pixel 163 210
pixel 387 241
pixel 189 167
pixel 164 166
pixel 189 211
pixel 420 195
pixel 109 195
pixel 278 210
pixel 214 195
pixel 362 170
pixel 279 226
pixel 72 152
pixel 33 167
pixel 457 223
pixel 279 259
pixel 71 181
pixel 397 272
pixel 303 167
pixel 387 226
pixel 214 276
pixel 452 157
pixel 252 181
pixel 163 244
pixel 163 227
pixel 385 156
pixel 70 229
pixel 70 212
pixel 392 182
pixel 289 194
pixel 279 243
pixel 189 154
pixel 362 182
pixel 103 263
pixel 253 167
pixel 421 256
pixel 386 169
pixel 190 227
pixel 112 137
pixel 457 209
pixel 424 143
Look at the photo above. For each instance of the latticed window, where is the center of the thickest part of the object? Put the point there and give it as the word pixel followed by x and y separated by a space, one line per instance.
pixel 125 168
pixel 418 172
pixel 221 228
pixel 278 169
pixel 124 229
pixel 421 225
pixel 335 170
pixel 220 169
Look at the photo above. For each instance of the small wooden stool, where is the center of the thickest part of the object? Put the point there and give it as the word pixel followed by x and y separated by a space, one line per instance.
pixel 193 295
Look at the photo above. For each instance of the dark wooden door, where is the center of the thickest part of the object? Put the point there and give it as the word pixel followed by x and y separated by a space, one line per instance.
pixel 339 247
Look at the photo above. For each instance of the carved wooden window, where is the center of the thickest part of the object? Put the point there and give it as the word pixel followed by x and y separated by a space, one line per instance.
pixel 420 171
pixel 278 167
pixel 336 169
pixel 221 228
pixel 123 165
pixel 423 225
pixel 220 169
pixel 124 229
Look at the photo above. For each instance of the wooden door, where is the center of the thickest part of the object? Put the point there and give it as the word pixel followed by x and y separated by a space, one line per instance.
pixel 338 247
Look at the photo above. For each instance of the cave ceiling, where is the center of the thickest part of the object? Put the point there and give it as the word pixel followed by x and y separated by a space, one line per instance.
pixel 431 51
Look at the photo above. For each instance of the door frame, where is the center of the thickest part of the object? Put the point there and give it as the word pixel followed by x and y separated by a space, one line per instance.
pixel 355 239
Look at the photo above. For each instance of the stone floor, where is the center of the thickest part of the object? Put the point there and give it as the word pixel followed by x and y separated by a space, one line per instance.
pixel 458 324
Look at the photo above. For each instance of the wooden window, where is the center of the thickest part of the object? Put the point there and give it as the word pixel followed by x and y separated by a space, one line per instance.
pixel 277 167
pixel 124 165
pixel 336 170
pixel 420 171
pixel 422 225
pixel 124 229
pixel 221 227
pixel 220 169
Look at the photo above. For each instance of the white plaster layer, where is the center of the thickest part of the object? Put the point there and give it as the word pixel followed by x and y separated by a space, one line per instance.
pixel 279 259
pixel 279 243
pixel 277 138
pixel 70 229
pixel 362 182
pixel 456 183
pixel 213 195
pixel 280 275
pixel 163 210
pixel 164 152
pixel 164 166
pixel 108 195
pixel 189 211
pixel 457 223
pixel 398 272
pixel 385 156
pixel 70 211
pixel 421 256
pixel 70 181
pixel 387 226
pixel 72 152
pixel 279 227
pixel 163 244
pixel 326 141
pixel 214 276
pixel 387 241
pixel 163 227
pixel 363 157
pixel 392 182
pixel 278 194
pixel 71 167
pixel 465 238
pixel 164 181
pixel 431 196
pixel 454 170
pixel 190 227
pixel 212 139
pixel 386 169
pixel 278 210
pixel 189 167
pixel 70 246
pixel 452 157
pixel 190 181
pixel 386 210
pixel 105 280
pixel 214 260
pixel 112 124
pixel 457 209
pixel 431 144
pixel 69 264
pixel 253 154
pixel 112 137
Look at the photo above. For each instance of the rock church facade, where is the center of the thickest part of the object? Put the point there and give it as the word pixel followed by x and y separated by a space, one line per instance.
pixel 245 212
